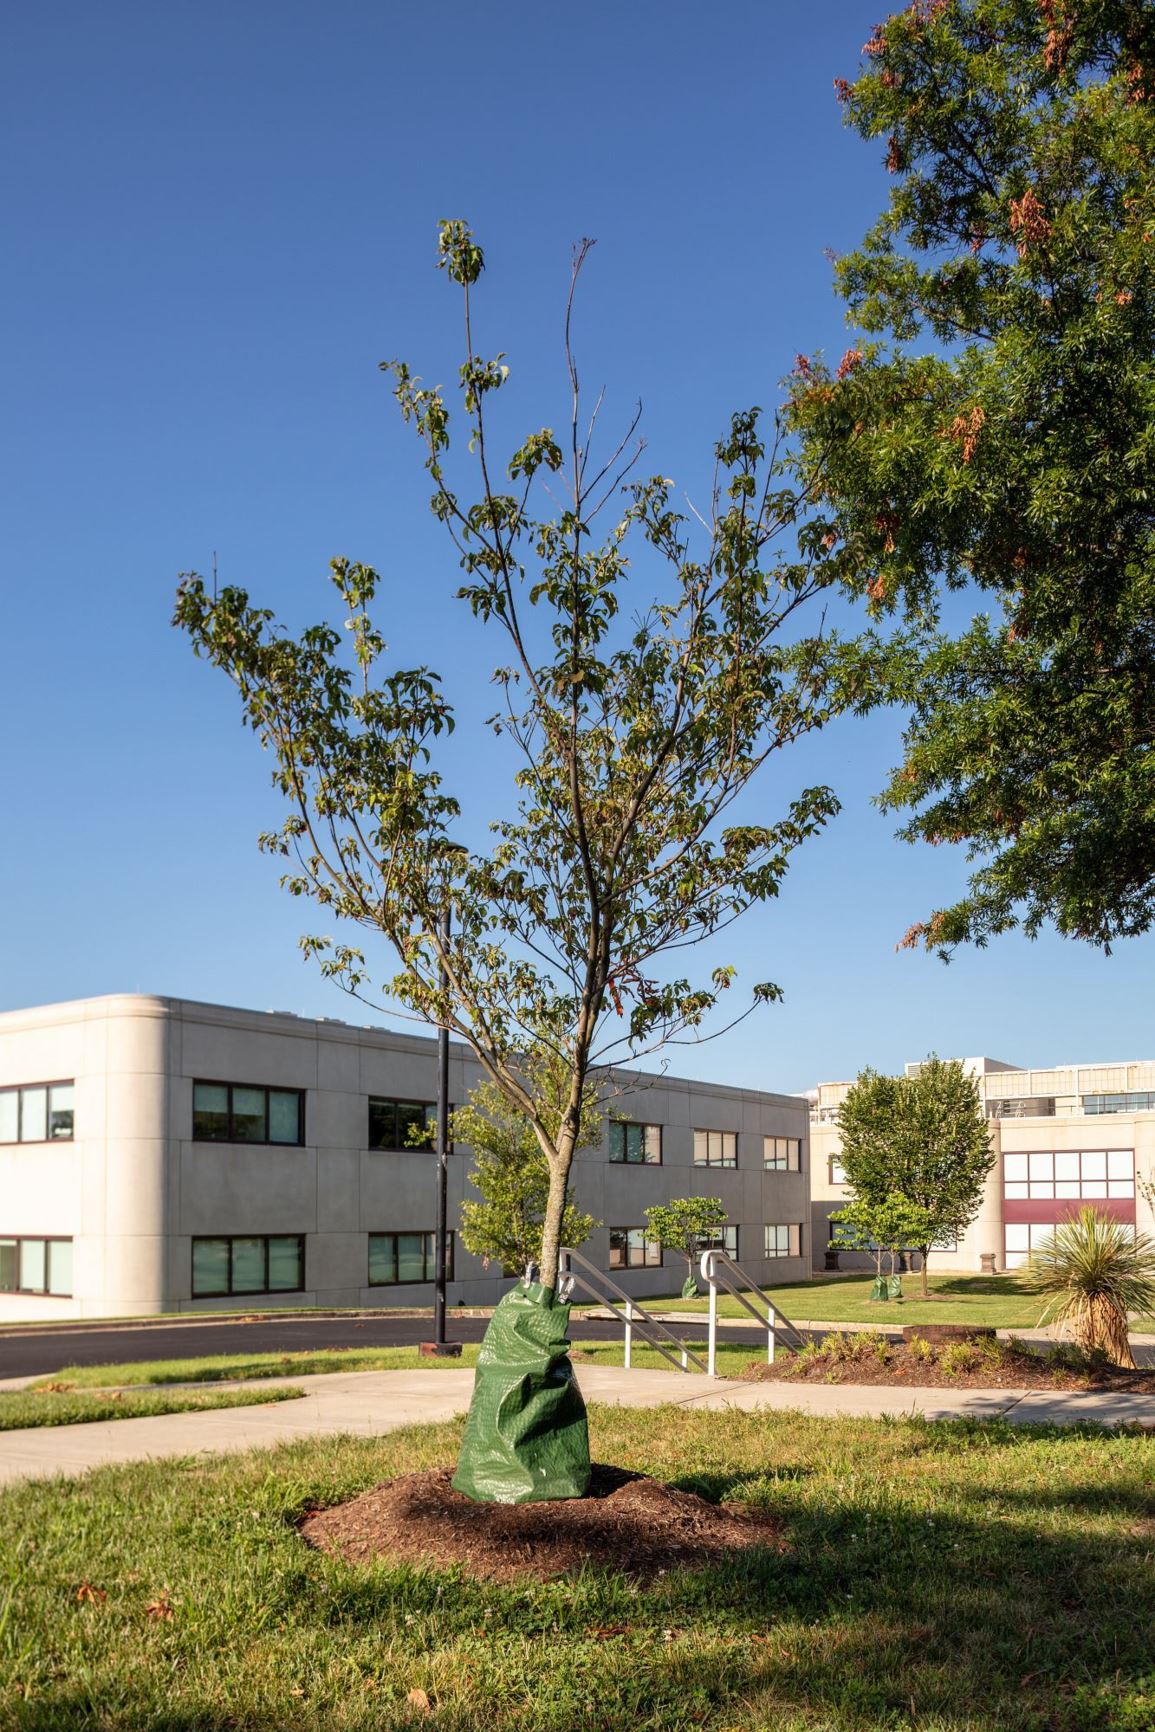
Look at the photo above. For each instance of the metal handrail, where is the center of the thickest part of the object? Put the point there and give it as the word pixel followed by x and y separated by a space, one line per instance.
pixel 715 1266
pixel 650 1330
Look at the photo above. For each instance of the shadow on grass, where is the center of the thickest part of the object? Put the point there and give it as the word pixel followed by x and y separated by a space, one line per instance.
pixel 882 1613
pixel 979 1287
pixel 872 1618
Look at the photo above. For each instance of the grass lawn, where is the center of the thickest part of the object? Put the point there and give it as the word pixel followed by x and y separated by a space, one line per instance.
pixel 731 1359
pixel 38 1407
pixel 1003 1301
pixel 945 1578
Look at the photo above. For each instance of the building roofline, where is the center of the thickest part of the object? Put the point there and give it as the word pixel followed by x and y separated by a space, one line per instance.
pixel 288 1022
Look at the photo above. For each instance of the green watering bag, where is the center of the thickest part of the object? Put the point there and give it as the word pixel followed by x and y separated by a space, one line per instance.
pixel 526 1438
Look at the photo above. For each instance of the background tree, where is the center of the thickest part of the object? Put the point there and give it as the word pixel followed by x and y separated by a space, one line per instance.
pixel 636 717
pixel 511 1172
pixel 686 1225
pixel 923 1137
pixel 992 429
pixel 884 1227
pixel 1096 1271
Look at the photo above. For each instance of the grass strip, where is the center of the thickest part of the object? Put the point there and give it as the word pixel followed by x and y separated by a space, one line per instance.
pixel 996 1301
pixel 26 1408
pixel 732 1358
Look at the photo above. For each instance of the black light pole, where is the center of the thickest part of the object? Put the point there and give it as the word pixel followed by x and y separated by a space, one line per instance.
pixel 441 1239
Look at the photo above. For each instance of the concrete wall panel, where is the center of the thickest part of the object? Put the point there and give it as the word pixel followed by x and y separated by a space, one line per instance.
pixel 228 1188
pixel 338 1190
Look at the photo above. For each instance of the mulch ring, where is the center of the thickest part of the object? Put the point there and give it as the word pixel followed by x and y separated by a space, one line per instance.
pixel 628 1523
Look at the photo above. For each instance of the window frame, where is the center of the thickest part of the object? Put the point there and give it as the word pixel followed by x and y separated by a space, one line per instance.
pixel 47 1240
pixel 793 1230
pixel 648 1244
pixel 793 1148
pixel 1041 1181
pixel 625 1126
pixel 831 1165
pixel 20 1090
pixel 708 1132
pixel 428 1108
pixel 266 1142
pixel 229 1291
pixel 428 1257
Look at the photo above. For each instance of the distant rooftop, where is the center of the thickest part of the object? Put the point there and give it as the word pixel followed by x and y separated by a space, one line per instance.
pixel 1014 1091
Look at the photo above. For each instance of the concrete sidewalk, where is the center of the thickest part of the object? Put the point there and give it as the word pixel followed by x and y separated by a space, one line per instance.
pixel 369 1403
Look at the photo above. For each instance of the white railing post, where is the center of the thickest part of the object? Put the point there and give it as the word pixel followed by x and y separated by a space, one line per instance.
pixel 633 1316
pixel 769 1337
pixel 712 1347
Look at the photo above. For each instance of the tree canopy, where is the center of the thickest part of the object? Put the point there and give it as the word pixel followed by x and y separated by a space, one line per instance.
pixel 686 1225
pixel 991 430
pixel 653 660
pixel 923 1138
pixel 884 1226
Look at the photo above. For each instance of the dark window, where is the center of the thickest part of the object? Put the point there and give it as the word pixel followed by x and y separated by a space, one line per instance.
pixel 36 1266
pixel 397 1259
pixel 1132 1103
pixel 38 1113
pixel 782 1154
pixel 402 1125
pixel 635 1143
pixel 248 1265
pixel 246 1113
pixel 715 1148
pixel 631 1249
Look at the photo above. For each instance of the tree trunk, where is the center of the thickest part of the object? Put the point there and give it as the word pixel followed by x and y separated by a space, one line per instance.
pixel 924 1253
pixel 559 1170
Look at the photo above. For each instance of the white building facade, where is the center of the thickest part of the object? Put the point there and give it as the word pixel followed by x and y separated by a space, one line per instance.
pixel 1062 1138
pixel 158 1154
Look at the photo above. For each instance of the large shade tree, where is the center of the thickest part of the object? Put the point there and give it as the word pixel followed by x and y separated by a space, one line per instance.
pixel 992 429
pixel 652 661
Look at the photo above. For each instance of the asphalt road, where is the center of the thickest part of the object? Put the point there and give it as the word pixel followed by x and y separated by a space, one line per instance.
pixel 35 1353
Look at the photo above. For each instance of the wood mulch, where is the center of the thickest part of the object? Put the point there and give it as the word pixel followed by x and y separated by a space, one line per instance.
pixel 1021 1370
pixel 636 1526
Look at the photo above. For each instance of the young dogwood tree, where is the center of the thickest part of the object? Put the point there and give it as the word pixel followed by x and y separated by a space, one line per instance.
pixel 637 723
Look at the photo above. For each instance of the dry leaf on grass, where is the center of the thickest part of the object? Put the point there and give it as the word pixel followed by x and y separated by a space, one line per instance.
pixel 420 1699
pixel 86 1591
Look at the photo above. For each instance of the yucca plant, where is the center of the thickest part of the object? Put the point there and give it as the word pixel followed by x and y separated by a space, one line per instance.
pixel 1096 1271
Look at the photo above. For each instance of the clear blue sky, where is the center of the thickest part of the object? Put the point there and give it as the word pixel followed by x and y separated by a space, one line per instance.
pixel 219 219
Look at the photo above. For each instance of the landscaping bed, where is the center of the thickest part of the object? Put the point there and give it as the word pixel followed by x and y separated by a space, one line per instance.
pixel 978 1363
pixel 627 1522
